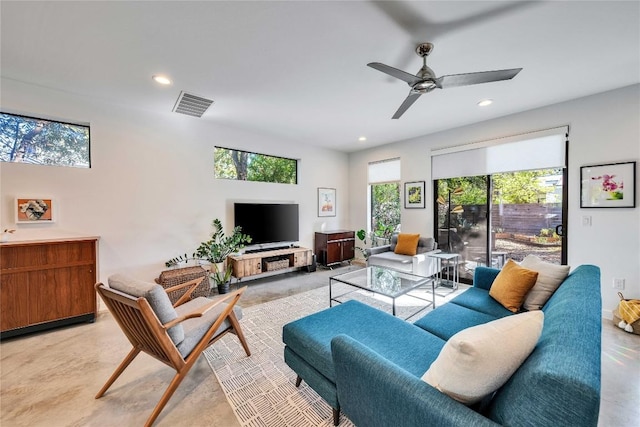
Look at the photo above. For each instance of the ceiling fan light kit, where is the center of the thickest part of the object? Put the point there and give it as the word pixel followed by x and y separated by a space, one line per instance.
pixel 425 80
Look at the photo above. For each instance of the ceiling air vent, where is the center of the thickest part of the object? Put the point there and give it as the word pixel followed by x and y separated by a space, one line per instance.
pixel 191 105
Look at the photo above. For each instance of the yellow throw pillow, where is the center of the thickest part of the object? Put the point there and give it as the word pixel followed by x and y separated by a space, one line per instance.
pixel 407 244
pixel 512 284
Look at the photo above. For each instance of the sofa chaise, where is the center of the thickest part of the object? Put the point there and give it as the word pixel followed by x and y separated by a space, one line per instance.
pixel 368 364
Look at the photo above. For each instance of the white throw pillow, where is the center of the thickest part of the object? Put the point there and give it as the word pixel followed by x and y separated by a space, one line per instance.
pixel 477 361
pixel 550 276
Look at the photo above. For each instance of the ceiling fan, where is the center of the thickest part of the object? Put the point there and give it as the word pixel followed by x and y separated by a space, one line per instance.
pixel 426 81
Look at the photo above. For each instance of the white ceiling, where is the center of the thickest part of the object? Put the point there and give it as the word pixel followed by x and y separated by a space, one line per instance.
pixel 297 69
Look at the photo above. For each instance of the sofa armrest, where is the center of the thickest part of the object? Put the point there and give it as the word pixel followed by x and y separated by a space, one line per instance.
pixel 377 250
pixel 373 392
pixel 483 277
pixel 424 265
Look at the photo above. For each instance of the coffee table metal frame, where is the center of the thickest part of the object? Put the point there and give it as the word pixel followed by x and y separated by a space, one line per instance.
pixel 377 280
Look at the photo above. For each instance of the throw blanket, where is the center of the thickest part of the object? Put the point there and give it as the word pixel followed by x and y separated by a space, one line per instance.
pixel 629 312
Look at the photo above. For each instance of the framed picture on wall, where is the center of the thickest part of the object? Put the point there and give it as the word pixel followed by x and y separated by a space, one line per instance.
pixel 414 195
pixel 326 201
pixel 608 186
pixel 34 210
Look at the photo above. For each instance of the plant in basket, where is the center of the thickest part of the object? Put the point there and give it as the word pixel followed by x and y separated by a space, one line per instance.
pixel 215 251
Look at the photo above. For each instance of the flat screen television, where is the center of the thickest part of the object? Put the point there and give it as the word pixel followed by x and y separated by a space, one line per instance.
pixel 268 222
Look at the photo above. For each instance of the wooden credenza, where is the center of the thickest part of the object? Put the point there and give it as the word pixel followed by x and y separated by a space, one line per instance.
pixel 334 247
pixel 47 283
pixel 253 264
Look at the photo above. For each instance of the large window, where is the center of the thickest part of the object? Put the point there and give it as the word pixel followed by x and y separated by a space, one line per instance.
pixel 247 166
pixel 384 214
pixel 502 199
pixel 43 142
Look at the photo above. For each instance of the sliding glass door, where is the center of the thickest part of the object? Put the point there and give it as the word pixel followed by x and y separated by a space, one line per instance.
pixel 527 214
pixel 461 210
pixel 489 219
pixel 502 198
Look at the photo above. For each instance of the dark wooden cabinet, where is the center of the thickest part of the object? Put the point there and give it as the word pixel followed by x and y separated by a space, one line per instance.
pixel 336 246
pixel 46 284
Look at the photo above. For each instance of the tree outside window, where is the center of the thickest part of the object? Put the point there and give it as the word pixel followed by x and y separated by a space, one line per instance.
pixel 247 166
pixel 385 210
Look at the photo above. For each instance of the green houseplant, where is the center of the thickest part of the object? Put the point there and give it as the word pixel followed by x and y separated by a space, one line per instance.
pixel 362 236
pixel 215 251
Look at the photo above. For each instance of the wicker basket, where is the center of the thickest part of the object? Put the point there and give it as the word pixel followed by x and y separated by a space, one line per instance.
pixel 617 319
pixel 178 276
pixel 276 265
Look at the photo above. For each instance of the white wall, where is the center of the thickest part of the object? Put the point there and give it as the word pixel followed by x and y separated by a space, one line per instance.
pixel 604 128
pixel 150 193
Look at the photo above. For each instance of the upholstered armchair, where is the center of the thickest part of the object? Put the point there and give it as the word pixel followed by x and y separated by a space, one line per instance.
pixel 175 334
pixel 420 264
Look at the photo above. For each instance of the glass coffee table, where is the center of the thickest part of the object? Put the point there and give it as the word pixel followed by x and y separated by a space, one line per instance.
pixel 383 281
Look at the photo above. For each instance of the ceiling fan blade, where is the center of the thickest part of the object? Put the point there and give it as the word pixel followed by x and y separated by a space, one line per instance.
pixel 394 72
pixel 408 102
pixel 467 79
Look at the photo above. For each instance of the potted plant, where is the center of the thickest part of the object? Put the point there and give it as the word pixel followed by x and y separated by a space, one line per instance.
pixel 215 251
pixel 362 236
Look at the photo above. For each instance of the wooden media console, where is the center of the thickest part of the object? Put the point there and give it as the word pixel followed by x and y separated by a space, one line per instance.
pixel 253 264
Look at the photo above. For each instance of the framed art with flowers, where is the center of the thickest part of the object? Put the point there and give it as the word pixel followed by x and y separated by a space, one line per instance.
pixel 608 186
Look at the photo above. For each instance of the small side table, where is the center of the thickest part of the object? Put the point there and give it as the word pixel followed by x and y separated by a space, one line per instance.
pixel 447 260
pixel 500 257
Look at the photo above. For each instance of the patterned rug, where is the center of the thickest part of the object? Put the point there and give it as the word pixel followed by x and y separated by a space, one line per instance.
pixel 261 388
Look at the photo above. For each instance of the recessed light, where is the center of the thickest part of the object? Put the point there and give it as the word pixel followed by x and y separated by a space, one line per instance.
pixel 485 102
pixel 362 138
pixel 163 80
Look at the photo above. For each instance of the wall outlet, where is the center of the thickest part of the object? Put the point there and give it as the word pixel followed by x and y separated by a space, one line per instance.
pixel 618 283
pixel 586 221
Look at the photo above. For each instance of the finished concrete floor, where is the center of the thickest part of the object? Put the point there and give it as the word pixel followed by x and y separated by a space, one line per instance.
pixel 50 378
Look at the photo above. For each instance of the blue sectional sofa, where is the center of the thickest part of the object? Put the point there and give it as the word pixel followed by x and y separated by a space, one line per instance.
pixel 368 364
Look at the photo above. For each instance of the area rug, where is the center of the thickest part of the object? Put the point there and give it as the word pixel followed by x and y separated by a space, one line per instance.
pixel 261 388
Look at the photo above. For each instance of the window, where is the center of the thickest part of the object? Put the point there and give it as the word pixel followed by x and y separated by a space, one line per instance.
pixel 43 142
pixel 502 199
pixel 246 166
pixel 384 185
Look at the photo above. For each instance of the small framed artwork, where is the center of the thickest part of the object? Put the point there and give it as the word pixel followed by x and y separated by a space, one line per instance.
pixel 326 201
pixel 34 210
pixel 608 186
pixel 414 195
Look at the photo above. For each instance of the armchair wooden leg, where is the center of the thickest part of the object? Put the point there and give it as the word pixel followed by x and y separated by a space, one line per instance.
pixel 298 381
pixel 238 331
pixel 336 416
pixel 123 365
pixel 175 382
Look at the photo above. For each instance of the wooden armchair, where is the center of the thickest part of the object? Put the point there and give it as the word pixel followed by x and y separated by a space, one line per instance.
pixel 175 334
